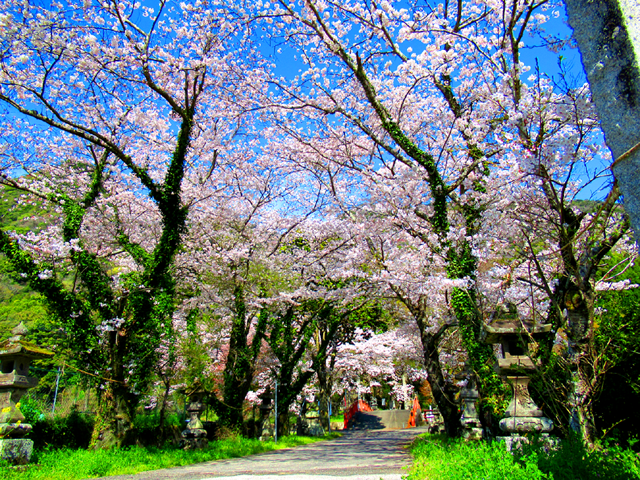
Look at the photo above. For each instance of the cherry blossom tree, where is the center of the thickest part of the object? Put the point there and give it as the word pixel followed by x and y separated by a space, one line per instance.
pixel 168 146
pixel 558 246
pixel 318 311
pixel 108 108
pixel 373 359
pixel 236 261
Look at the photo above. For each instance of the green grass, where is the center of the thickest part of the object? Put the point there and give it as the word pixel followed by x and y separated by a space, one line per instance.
pixel 68 464
pixel 437 458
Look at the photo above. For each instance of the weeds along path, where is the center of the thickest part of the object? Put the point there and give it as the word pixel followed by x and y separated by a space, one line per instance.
pixel 359 455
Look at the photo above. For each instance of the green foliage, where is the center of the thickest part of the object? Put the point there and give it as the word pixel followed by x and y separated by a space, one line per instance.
pixel 370 316
pixel 19 303
pixel 21 214
pixel 571 460
pixel 68 464
pixel 31 410
pixel 149 432
pixel 617 345
pixel 439 458
pixel 71 431
pixel 550 386
pixel 481 359
pixel 616 330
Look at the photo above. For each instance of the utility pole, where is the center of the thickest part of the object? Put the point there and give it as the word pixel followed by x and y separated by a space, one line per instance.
pixel 55 395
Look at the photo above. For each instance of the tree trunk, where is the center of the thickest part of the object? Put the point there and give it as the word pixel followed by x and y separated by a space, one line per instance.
pixel 284 425
pixel 324 387
pixel 163 407
pixel 582 420
pixel 114 420
pixel 239 367
pixel 444 393
pixel 284 397
pixel 579 301
pixel 323 411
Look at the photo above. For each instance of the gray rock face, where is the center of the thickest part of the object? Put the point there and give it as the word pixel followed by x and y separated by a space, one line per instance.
pixel 608 34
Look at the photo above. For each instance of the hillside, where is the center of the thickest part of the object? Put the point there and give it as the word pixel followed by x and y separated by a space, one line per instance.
pixel 18 303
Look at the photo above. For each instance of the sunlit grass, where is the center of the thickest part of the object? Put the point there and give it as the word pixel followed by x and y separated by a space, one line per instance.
pixel 437 458
pixel 67 464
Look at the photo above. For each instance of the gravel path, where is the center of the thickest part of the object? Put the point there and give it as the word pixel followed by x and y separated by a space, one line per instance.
pixel 357 455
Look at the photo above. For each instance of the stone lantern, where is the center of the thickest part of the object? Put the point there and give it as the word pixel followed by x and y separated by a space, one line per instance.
pixel 516 338
pixel 15 357
pixel 472 429
pixel 195 436
pixel 266 406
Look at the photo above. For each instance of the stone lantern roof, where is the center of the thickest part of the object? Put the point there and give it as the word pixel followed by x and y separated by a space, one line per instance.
pixel 513 326
pixel 515 335
pixel 15 357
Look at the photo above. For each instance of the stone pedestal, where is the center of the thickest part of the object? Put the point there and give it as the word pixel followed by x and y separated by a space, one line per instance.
pixel 309 424
pixel 266 407
pixel 523 415
pixel 16 451
pixel 268 432
pixel 434 420
pixel 315 428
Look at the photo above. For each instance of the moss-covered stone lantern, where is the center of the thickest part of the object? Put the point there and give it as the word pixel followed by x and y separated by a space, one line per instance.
pixel 194 436
pixel 516 338
pixel 15 357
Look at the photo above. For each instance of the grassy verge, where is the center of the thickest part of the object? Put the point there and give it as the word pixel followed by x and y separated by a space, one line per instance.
pixel 68 464
pixel 437 458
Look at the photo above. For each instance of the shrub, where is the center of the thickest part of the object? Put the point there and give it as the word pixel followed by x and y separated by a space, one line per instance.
pixel 147 430
pixel 31 410
pixel 71 431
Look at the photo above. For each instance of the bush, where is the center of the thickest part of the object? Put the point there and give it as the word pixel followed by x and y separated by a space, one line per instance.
pixel 31 410
pixel 71 431
pixel 148 432
pixel 74 430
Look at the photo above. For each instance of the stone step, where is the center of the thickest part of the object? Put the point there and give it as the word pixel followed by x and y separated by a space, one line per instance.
pixel 380 420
